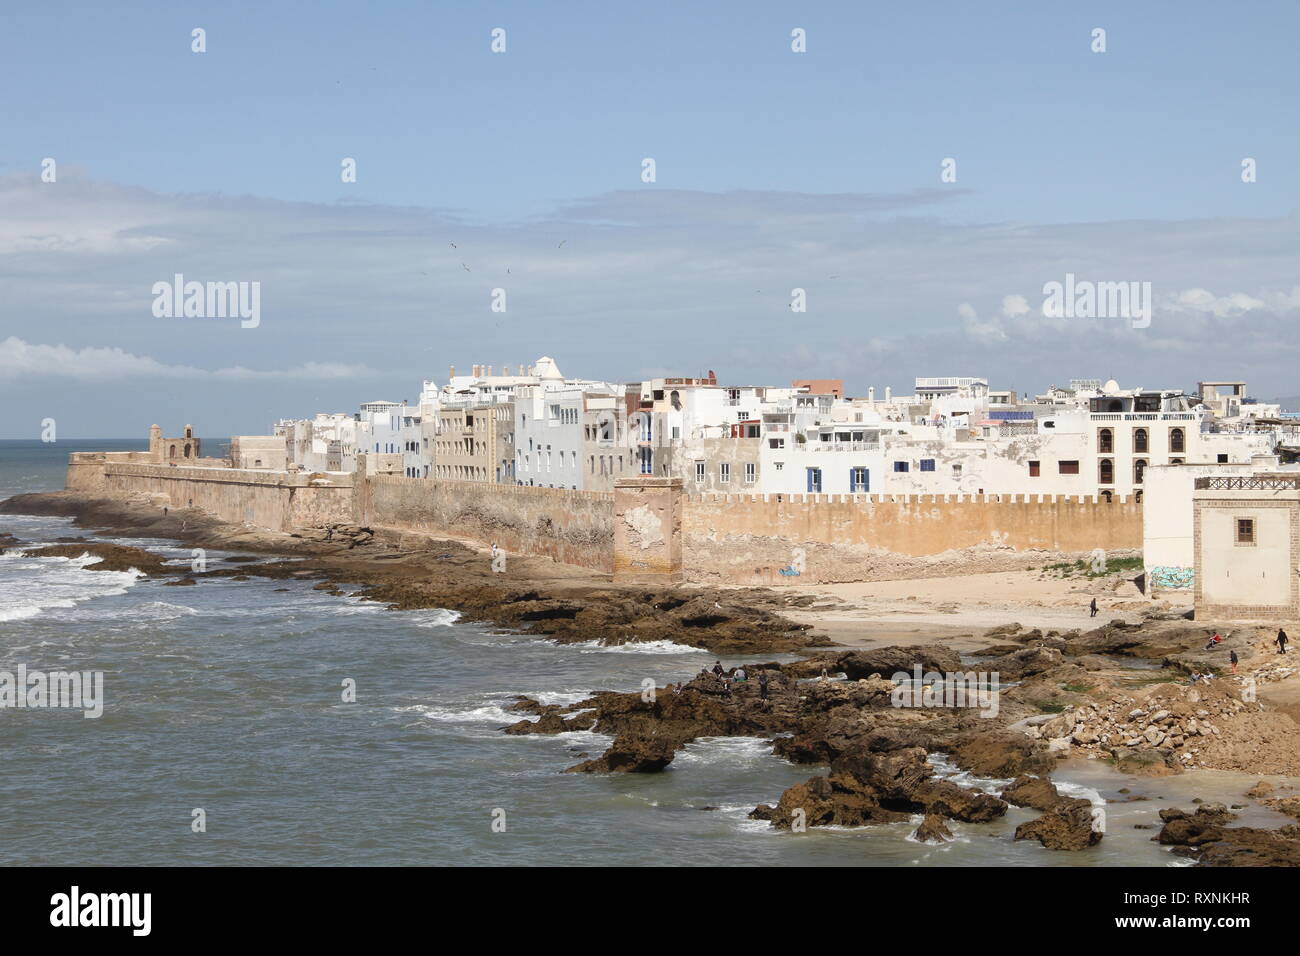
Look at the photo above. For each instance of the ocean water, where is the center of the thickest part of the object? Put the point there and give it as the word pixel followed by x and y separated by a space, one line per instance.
pixel 227 697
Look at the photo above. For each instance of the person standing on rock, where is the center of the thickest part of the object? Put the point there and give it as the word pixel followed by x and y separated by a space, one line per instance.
pixel 1281 641
pixel 762 685
pixel 1092 608
pixel 1232 658
pixel 717 669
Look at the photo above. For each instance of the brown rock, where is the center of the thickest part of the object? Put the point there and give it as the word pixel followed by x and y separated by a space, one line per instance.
pixel 933 830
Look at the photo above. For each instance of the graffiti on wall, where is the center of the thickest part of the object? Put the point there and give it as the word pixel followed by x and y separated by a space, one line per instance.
pixel 1171 577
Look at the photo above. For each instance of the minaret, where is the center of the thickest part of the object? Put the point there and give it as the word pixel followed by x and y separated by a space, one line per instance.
pixel 155 443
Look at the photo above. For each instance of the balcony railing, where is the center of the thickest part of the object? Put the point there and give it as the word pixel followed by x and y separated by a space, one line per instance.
pixel 1250 483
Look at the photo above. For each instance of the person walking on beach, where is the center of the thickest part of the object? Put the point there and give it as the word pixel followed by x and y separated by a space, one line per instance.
pixel 1092 608
pixel 1232 657
pixel 1280 641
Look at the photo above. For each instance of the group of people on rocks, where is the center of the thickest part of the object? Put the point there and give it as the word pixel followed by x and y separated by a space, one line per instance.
pixel 735 676
pixel 1213 643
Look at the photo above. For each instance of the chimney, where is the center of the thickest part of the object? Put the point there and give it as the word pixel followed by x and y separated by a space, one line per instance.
pixel 478 370
pixel 451 371
pixel 521 371
pixel 871 393
pixel 888 393
pixel 488 373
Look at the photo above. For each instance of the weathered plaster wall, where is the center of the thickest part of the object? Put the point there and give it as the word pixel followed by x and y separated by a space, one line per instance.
pixel 277 501
pixel 648 529
pixel 1247 580
pixel 771 539
pixel 575 527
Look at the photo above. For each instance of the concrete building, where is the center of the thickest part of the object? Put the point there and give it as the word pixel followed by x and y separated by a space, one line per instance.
pixel 259 452
pixel 1247 539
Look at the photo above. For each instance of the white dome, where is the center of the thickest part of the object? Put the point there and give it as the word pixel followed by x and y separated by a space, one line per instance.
pixel 1111 387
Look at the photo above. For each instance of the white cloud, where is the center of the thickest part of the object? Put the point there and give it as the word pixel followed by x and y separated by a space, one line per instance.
pixel 1014 306
pixel 980 331
pixel 21 359
pixel 1202 300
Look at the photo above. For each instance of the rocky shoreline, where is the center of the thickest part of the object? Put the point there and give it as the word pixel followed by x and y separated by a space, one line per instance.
pixel 1117 693
pixel 406 572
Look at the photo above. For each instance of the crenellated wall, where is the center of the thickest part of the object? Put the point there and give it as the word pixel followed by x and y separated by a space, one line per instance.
pixel 647 527
pixel 574 527
pixel 773 539
pixel 273 500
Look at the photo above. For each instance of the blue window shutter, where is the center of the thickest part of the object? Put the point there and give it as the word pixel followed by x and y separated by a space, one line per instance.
pixel 866 479
pixel 810 483
pixel 853 472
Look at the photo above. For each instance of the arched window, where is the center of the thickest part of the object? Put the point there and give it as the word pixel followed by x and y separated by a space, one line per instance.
pixel 1139 469
pixel 172 453
pixel 1105 441
pixel 1175 461
pixel 187 450
pixel 1106 472
pixel 1176 440
pixel 1140 441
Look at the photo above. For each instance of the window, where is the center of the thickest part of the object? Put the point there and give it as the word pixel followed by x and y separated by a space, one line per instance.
pixel 1246 531
pixel 1177 440
pixel 956 469
pixel 927 464
pixel 1175 461
pixel 859 480
pixel 1140 441
pixel 699 472
pixel 779 465
pixel 1139 469
pixel 751 472
pixel 1105 441
pixel 814 480
pixel 1106 472
pixel 901 466
pixel 724 473
pixel 1034 471
pixel 1067 467
pixel 1222 459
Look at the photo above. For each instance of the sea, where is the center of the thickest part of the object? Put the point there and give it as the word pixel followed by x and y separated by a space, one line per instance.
pixel 227 737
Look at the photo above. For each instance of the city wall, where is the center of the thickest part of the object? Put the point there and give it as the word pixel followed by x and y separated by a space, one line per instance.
pixel 773 539
pixel 647 529
pixel 273 500
pixel 574 527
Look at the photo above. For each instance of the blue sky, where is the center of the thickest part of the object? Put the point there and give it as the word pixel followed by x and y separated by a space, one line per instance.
pixel 775 170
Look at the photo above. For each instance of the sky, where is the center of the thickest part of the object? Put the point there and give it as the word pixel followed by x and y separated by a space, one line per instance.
pixel 522 171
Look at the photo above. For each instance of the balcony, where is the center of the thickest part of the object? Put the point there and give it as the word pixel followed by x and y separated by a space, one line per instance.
pixel 1250 483
pixel 843 446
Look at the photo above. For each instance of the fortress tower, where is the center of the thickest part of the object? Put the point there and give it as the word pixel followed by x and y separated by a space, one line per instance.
pixel 185 448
